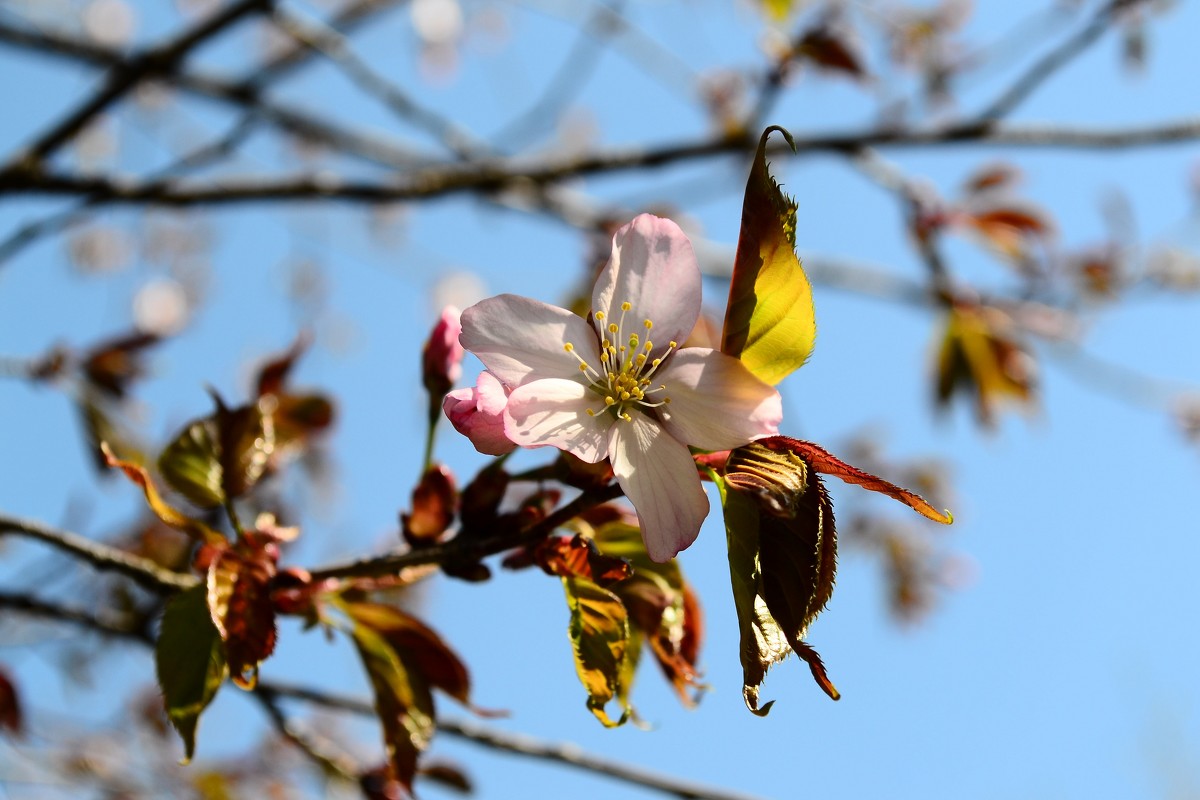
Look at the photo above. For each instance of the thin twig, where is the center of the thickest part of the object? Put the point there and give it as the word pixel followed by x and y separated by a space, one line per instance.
pixel 334 46
pixel 316 747
pixel 517 744
pixel 100 622
pixel 1045 67
pixel 152 62
pixel 143 571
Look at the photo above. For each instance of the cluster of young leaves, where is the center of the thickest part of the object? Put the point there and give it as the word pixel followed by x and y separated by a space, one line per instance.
pixel 225 625
pixel 778 516
pixel 619 601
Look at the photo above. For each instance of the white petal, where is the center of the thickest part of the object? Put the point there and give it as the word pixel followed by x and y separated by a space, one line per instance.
pixel 553 413
pixel 520 339
pixel 654 268
pixel 716 403
pixel 659 477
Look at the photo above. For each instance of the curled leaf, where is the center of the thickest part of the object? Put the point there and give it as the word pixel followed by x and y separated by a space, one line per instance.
pixel 239 584
pixel 821 460
pixel 769 320
pixel 434 501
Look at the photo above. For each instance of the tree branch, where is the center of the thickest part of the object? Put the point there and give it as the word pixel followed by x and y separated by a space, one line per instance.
pixel 155 61
pixel 143 571
pixel 447 179
pixel 105 624
pixel 517 744
pixel 467 549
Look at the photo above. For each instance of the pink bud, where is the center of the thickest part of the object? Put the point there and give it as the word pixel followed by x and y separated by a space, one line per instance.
pixel 478 414
pixel 441 360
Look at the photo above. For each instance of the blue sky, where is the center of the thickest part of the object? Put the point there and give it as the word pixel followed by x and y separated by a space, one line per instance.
pixel 1063 668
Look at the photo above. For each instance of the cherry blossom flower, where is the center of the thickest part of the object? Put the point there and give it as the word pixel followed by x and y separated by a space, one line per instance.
pixel 620 387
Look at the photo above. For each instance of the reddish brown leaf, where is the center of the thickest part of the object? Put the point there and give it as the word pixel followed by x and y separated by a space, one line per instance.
pixel 112 365
pixel 992 176
pixel 11 719
pixel 831 49
pixel 273 375
pixel 1010 229
pixel 418 646
pixel 448 775
pixel 434 501
pixel 239 582
pixel 826 463
pixel 577 557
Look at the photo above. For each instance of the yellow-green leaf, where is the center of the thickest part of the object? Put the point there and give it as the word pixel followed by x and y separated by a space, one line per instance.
pixel 189 661
pixel 769 321
pixel 599 632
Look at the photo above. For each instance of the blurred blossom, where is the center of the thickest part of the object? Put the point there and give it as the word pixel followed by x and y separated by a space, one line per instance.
pixel 99 249
pixel 161 307
pixel 437 22
pixel 458 289
pixel 110 22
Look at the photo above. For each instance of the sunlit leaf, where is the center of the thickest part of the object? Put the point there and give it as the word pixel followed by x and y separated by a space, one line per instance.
pixel 165 512
pixel 221 456
pixel 599 633
pixel 661 607
pixel 190 662
pixel 273 374
pixel 769 320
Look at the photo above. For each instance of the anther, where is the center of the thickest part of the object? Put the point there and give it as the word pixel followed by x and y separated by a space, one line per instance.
pixel 626 306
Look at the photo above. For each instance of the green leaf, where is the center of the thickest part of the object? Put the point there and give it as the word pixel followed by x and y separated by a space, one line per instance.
pixel 192 463
pixel 190 662
pixel 599 632
pixel 769 320
pixel 662 610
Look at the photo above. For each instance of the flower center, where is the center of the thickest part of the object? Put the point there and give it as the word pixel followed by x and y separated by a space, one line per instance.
pixel 624 374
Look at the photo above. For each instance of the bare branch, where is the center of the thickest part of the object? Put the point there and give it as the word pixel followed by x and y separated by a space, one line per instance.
pixel 517 744
pixel 103 623
pixel 101 556
pixel 318 749
pixel 442 180
pixel 155 61
pixel 1045 67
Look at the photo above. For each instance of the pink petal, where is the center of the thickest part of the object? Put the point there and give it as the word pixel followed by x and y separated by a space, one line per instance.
pixel 654 268
pixel 478 414
pixel 519 339
pixel 716 403
pixel 553 412
pixel 659 477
